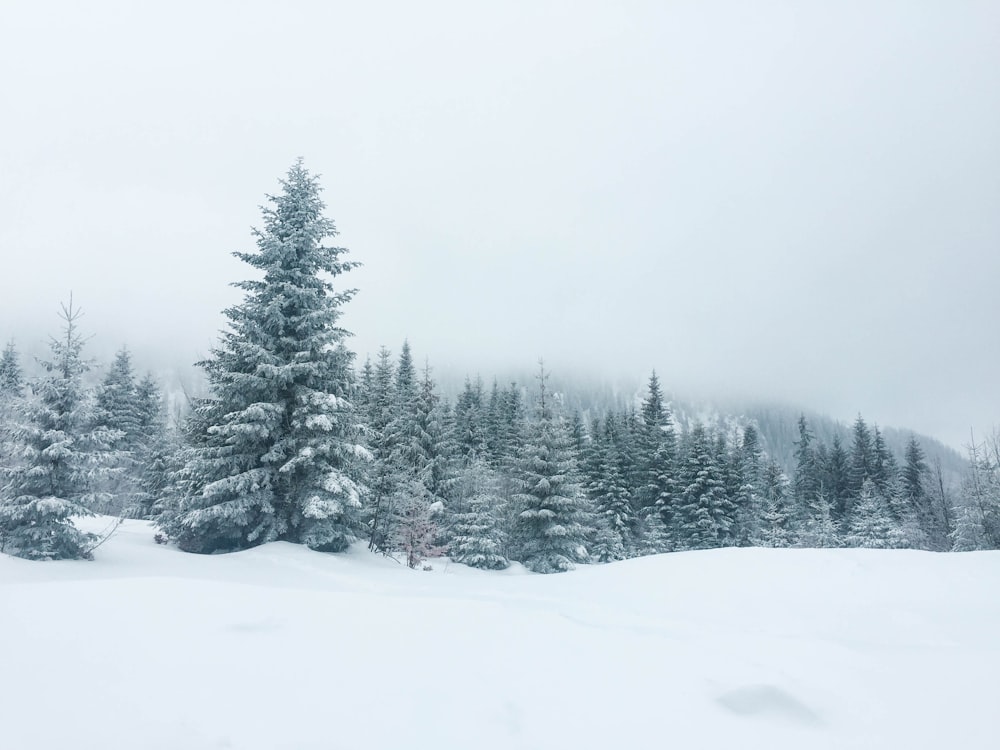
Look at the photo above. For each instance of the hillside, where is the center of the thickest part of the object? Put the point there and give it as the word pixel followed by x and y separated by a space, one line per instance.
pixel 280 647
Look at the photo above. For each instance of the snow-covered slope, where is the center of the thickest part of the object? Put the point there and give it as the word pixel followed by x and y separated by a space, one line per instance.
pixel 280 647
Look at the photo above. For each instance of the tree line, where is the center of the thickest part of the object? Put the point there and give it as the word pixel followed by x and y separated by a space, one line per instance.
pixel 294 441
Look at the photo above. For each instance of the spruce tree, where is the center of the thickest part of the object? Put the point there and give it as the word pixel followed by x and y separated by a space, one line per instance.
pixel 705 513
pixel 153 450
pixel 118 401
pixel 776 527
pixel 553 523
pixel 914 478
pixel 748 476
pixel 513 424
pixel 410 526
pixel 836 479
pixel 11 395
pixel 118 410
pixel 820 530
pixel 470 425
pixel 977 522
pixel 275 446
pixel 476 535
pixel 657 485
pixel 807 479
pixel 63 458
pixel 871 523
pixel 611 501
pixel 861 463
pixel 11 379
pixel 379 415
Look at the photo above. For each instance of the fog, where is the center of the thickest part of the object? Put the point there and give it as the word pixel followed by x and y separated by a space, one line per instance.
pixel 782 200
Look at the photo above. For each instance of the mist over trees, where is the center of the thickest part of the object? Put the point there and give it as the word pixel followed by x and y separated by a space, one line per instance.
pixel 296 441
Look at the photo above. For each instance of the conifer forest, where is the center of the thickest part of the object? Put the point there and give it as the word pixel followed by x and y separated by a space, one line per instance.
pixel 295 440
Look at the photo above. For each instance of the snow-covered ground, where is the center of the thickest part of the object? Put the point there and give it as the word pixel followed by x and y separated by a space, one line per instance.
pixel 281 648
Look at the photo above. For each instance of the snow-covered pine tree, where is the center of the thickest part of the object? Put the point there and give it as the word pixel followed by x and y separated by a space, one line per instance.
pixel 11 394
pixel 611 500
pixel 276 449
pixel 410 524
pixel 657 483
pixel 493 425
pixel 61 456
pixel 11 378
pixel 117 409
pixel 470 427
pixel 835 473
pixel 861 463
pixel 914 478
pixel 117 401
pixel 435 440
pixel 705 513
pixel 380 412
pixel 413 529
pixel 153 451
pixel 871 524
pixel 977 517
pixel 806 484
pixel 512 424
pixel 553 522
pixel 476 536
pixel 819 529
pixel 746 469
pixel 776 518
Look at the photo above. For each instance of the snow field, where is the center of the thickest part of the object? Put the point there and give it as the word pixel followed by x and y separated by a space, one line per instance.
pixel 283 648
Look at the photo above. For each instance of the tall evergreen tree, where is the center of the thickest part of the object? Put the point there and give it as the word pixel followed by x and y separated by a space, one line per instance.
pixel 513 423
pixel 861 463
pixel 381 409
pixel 706 515
pixel 153 451
pixel 807 477
pixel 611 500
pixel 63 457
pixel 411 524
pixel 656 488
pixel 776 527
pixel 977 522
pixel 117 401
pixel 118 410
pixel 836 480
pixel 275 454
pixel 470 427
pixel 476 533
pixel 747 470
pixel 553 522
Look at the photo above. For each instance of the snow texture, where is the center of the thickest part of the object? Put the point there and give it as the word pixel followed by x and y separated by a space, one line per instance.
pixel 281 647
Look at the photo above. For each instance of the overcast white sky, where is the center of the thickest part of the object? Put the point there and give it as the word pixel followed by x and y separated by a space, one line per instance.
pixel 796 200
